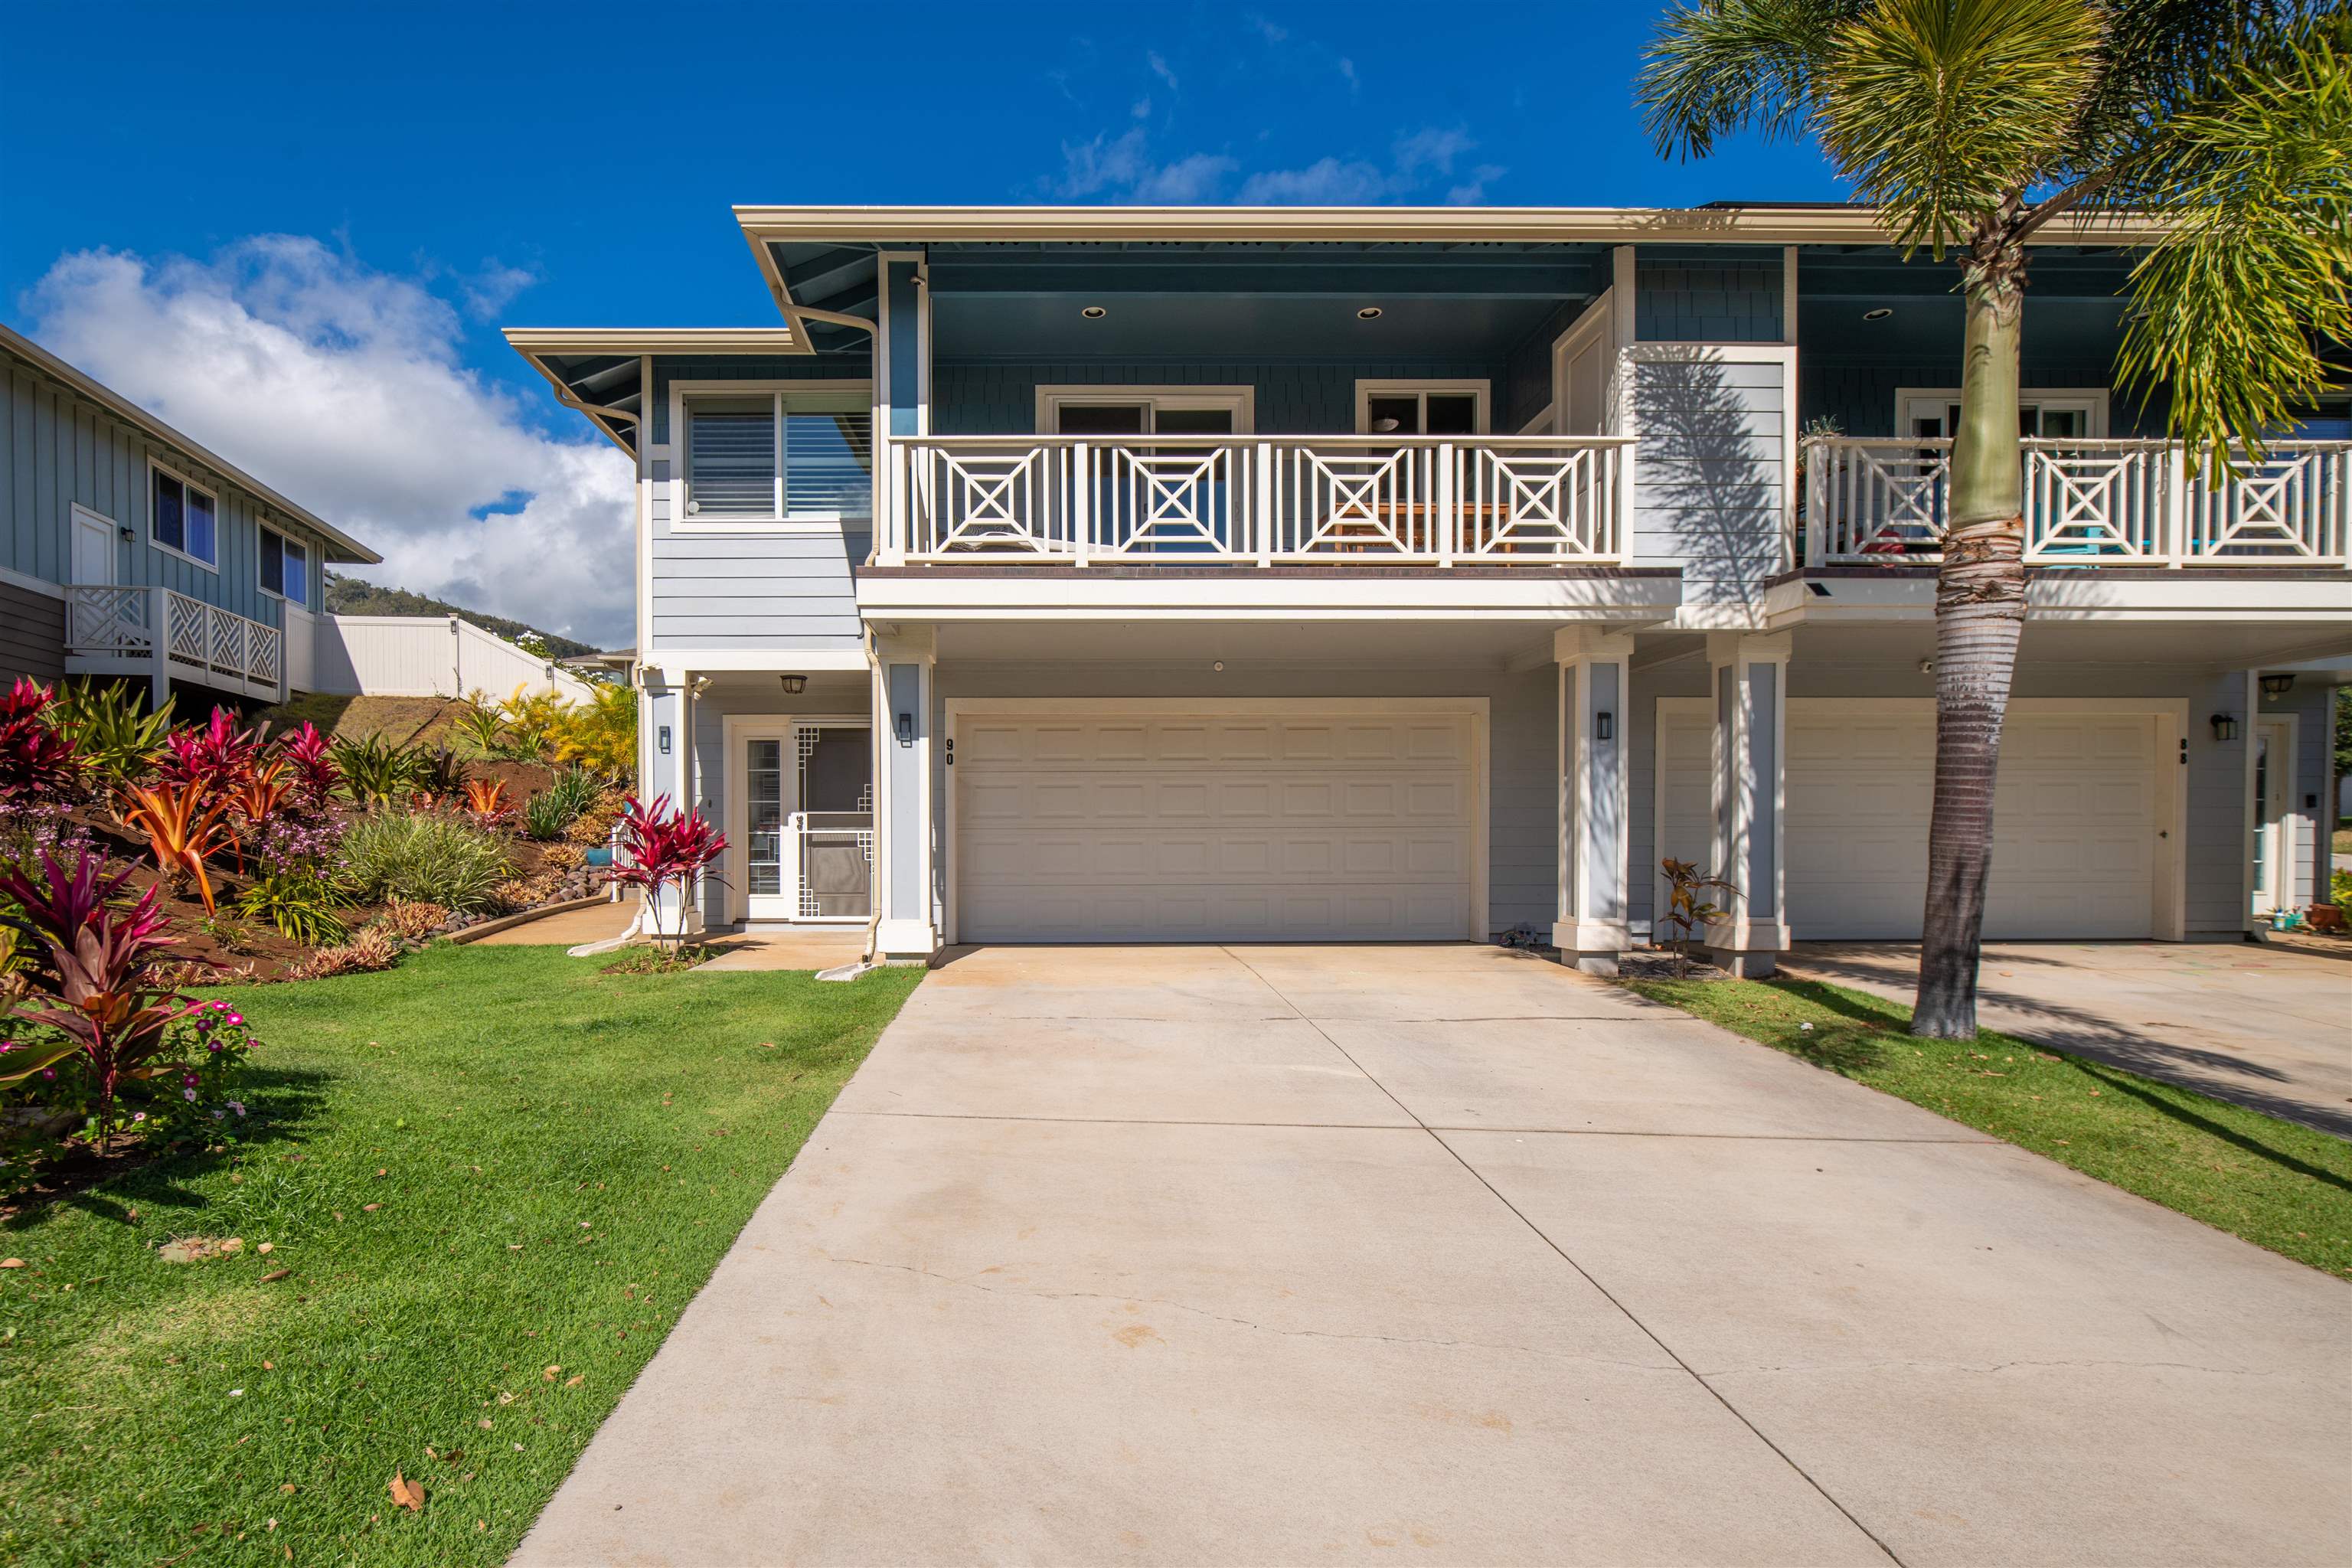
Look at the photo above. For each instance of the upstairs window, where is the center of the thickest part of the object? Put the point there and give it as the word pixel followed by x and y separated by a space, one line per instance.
pixel 284 567
pixel 184 520
pixel 779 456
pixel 1421 407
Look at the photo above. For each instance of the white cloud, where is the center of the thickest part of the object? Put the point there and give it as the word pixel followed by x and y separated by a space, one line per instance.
pixel 1160 68
pixel 343 387
pixel 1325 183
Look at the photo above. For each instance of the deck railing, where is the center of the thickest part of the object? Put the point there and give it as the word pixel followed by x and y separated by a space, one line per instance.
pixel 1259 500
pixel 2086 503
pixel 127 626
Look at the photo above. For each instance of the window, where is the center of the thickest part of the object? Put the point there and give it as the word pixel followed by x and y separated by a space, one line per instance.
pixel 1145 410
pixel 185 520
pixel 284 567
pixel 1421 407
pixel 779 456
pixel 2055 415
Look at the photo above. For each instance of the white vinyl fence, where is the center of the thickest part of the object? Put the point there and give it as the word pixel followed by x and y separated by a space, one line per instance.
pixel 419 655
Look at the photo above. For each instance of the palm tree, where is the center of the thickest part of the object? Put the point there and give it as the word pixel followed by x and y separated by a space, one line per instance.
pixel 1972 123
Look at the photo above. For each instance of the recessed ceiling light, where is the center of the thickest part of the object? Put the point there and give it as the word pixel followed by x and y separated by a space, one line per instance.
pixel 1369 313
pixel 1094 313
pixel 1879 314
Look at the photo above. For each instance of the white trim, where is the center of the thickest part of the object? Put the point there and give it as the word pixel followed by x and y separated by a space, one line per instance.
pixel 1240 400
pixel 735 729
pixel 1478 388
pixel 782 393
pixel 157 466
pixel 269 531
pixel 1595 321
pixel 2283 847
pixel 2094 400
pixel 1477 709
pixel 16 579
pixel 756 661
pixel 78 516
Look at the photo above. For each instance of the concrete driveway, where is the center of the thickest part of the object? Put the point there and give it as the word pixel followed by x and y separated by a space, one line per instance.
pixel 1446 1255
pixel 2261 1025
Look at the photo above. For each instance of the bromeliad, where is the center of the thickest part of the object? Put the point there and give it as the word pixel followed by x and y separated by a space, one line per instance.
pixel 185 823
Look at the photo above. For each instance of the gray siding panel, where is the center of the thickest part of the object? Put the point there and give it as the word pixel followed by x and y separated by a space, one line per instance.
pixel 1708 477
pixel 32 634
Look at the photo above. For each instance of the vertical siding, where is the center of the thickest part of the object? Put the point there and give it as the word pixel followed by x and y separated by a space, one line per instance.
pixel 60 451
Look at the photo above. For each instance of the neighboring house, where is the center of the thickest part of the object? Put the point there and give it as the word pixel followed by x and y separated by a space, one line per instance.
pixel 128 550
pixel 1230 574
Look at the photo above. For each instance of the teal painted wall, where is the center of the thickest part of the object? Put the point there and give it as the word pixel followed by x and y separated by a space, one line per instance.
pixel 1292 399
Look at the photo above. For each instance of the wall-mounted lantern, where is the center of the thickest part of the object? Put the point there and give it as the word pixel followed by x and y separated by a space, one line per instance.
pixel 2278 685
pixel 794 684
pixel 1604 725
pixel 2225 727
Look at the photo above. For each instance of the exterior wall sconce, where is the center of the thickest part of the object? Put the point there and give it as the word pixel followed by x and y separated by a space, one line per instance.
pixel 906 729
pixel 794 684
pixel 661 740
pixel 1604 725
pixel 2277 685
pixel 2225 728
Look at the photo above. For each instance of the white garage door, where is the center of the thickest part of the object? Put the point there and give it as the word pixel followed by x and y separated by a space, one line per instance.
pixel 2075 818
pixel 1280 823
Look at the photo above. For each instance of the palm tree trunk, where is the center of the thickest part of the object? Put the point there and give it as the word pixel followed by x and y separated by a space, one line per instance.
pixel 1979 614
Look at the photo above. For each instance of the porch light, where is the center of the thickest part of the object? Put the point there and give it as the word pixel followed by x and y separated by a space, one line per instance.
pixel 794 684
pixel 2225 728
pixel 2278 685
pixel 1878 312
pixel 1094 313
pixel 1604 725
pixel 1369 313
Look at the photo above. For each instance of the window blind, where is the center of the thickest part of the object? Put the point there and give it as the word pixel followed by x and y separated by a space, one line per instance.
pixel 730 460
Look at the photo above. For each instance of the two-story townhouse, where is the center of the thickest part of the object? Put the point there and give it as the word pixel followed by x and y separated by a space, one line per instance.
pixel 128 550
pixel 1232 574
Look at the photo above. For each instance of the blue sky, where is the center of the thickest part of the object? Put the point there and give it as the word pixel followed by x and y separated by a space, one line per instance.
pixel 342 203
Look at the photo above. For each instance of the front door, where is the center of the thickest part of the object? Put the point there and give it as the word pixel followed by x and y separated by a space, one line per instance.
pixel 808 820
pixel 93 551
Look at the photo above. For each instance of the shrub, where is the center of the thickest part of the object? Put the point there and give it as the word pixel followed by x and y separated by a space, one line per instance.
pixel 424 856
pixel 318 773
pixel 661 848
pixel 108 732
pixel 375 769
pixel 476 724
pixel 531 720
pixel 102 1000
pixel 553 809
pixel 185 827
pixel 374 948
pixel 413 919
pixel 601 735
pixel 39 766
pixel 219 757
pixel 301 902
pixel 564 857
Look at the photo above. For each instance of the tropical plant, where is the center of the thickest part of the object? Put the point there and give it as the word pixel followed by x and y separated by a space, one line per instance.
pixel 530 719
pixel 318 773
pixel 371 948
pixel 304 902
pixel 664 849
pixel 1974 124
pixel 102 999
pixel 486 799
pixel 185 826
pixel 38 764
pixel 412 920
pixel 546 814
pixel 476 725
pixel 375 769
pixel 1688 909
pixel 110 730
pixel 424 856
pixel 441 772
pixel 219 757
pixel 600 734
pixel 264 791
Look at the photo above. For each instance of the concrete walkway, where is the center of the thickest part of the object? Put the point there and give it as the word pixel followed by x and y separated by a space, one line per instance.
pixel 596 922
pixel 2261 1025
pixel 1446 1255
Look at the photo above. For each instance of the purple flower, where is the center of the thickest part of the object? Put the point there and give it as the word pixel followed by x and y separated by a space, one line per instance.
pixel 189 1078
pixel 137 1116
pixel 218 1117
pixel 213 1045
pixel 189 1095
pixel 48 1072
pixel 237 1106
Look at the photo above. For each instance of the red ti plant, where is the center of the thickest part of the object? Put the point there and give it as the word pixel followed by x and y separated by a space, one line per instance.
pixel 106 1002
pixel 660 848
pixel 220 756
pixel 37 765
pixel 315 769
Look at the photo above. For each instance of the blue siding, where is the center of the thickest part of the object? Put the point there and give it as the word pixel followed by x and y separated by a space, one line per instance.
pixel 1718 296
pixel 59 450
pixel 747 367
pixel 1526 386
pixel 1292 399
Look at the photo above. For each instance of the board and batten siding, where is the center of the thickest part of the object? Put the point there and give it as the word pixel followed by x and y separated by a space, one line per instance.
pixel 61 451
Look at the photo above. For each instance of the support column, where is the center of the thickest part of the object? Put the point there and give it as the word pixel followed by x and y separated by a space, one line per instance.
pixel 904 857
pixel 1589 927
pixel 1750 683
pixel 902 388
pixel 669 721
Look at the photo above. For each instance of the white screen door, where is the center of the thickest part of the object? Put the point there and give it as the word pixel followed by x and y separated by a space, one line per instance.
pixel 93 551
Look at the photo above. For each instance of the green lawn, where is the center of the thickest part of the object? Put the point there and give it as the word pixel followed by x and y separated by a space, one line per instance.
pixel 494 1176
pixel 2276 1183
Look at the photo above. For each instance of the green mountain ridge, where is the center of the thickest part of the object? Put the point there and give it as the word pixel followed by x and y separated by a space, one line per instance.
pixel 355 597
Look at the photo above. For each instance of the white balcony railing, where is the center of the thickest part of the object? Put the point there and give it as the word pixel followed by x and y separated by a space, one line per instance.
pixel 1328 499
pixel 119 631
pixel 2086 503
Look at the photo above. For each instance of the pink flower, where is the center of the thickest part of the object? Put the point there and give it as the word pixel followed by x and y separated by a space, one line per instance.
pixel 189 1095
pixel 237 1106
pixel 236 1017
pixel 137 1116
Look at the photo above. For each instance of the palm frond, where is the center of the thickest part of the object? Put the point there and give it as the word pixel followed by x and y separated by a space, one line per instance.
pixel 2163 57
pixel 1717 66
pixel 2227 308
pixel 1943 111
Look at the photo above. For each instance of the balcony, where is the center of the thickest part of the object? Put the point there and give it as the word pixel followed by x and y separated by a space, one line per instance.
pixel 2086 504
pixel 155 632
pixel 1257 500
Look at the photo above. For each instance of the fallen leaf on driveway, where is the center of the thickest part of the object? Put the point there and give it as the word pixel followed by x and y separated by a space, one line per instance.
pixel 406 1493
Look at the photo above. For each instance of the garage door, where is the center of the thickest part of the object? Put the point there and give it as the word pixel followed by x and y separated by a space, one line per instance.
pixel 2074 820
pixel 1151 823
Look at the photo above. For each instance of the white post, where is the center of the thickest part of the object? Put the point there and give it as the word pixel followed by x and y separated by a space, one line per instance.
pixel 1266 490
pixel 1443 503
pixel 904 863
pixel 1079 464
pixel 1749 687
pixel 1588 927
pixel 2176 504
